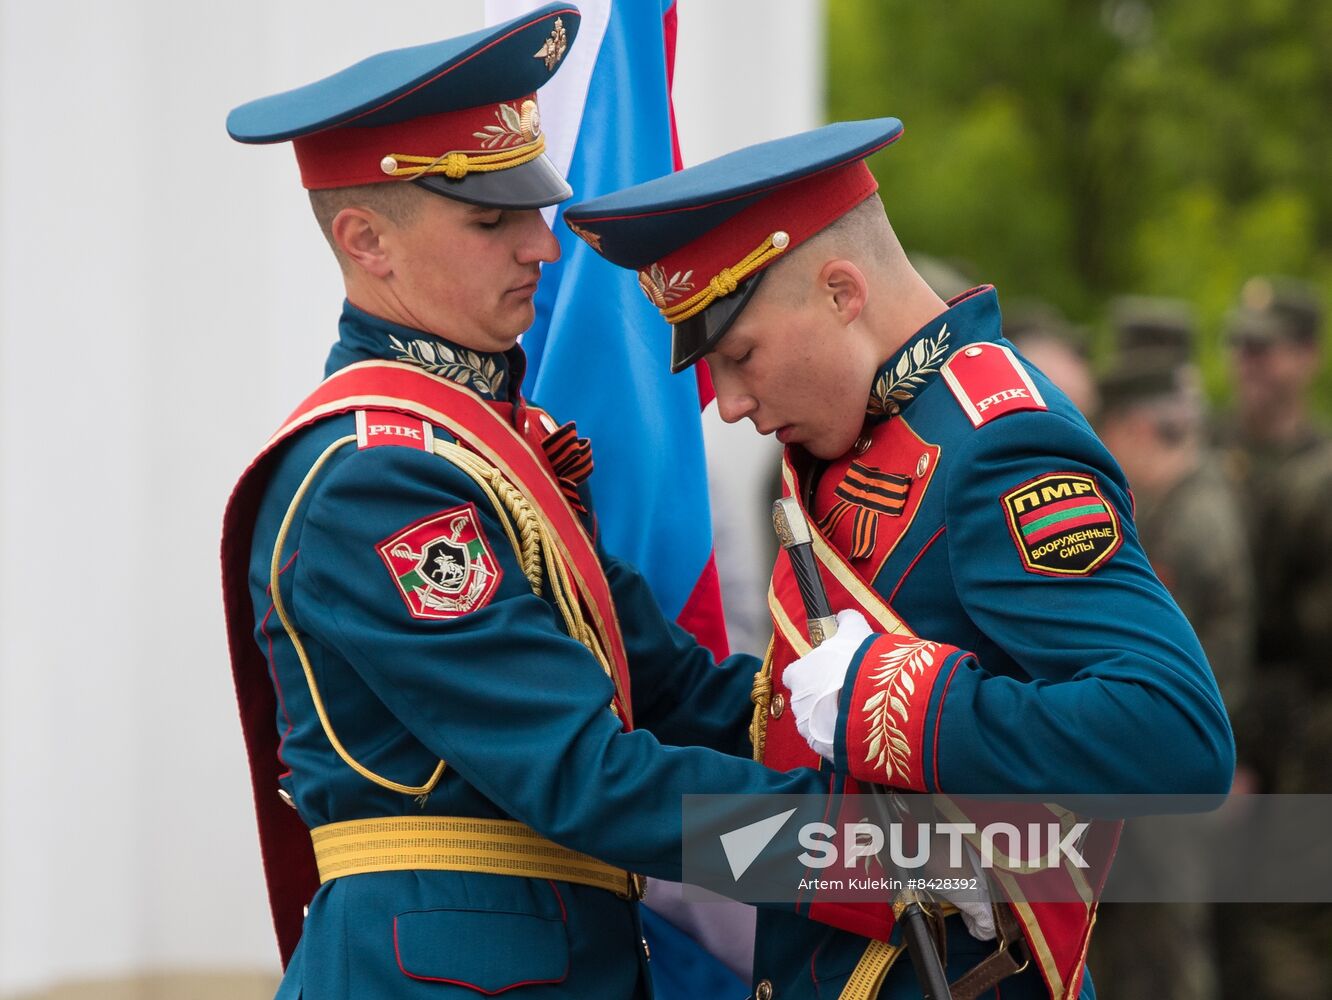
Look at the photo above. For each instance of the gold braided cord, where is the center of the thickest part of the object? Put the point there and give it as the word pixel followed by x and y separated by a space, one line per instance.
pixel 504 498
pixel 457 164
pixel 761 696
pixel 276 591
pixel 527 548
pixel 535 545
pixel 724 282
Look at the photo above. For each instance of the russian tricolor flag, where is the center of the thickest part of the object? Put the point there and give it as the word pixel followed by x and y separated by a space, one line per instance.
pixel 599 351
pixel 599 354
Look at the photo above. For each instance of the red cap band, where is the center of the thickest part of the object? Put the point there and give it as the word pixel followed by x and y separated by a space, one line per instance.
pixel 799 209
pixel 348 156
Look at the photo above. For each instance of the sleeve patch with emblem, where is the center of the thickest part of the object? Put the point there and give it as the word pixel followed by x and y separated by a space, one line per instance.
pixel 1062 524
pixel 442 565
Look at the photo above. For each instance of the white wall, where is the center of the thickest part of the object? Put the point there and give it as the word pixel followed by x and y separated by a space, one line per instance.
pixel 747 71
pixel 164 299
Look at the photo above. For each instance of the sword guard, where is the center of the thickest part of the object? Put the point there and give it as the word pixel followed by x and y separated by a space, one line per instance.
pixel 822 629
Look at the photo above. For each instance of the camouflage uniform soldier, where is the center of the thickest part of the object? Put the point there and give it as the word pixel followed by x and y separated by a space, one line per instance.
pixel 1045 338
pixel 1191 528
pixel 1280 458
pixel 1165 327
pixel 1281 461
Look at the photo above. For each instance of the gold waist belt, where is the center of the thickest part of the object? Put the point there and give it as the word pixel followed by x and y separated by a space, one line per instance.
pixel 458 844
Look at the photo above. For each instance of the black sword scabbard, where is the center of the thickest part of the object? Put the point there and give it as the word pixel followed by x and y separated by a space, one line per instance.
pixel 793 531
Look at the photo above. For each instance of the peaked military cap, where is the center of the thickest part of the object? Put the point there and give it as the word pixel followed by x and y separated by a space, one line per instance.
pixel 701 238
pixel 1148 323
pixel 458 117
pixel 1276 308
pixel 1145 375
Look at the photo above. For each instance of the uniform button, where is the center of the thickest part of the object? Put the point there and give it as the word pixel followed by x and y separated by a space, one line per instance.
pixel 971 352
pixel 862 443
pixel 922 466
pixel 285 796
pixel 763 991
pixel 777 706
pixel 305 911
pixel 647 952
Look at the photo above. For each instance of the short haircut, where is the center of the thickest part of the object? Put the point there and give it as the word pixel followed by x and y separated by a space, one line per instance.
pixel 396 201
pixel 863 236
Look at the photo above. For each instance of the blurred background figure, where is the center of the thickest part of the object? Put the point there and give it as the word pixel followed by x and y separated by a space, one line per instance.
pixel 1279 456
pixel 1280 460
pixel 1152 418
pixel 1164 327
pixel 1049 341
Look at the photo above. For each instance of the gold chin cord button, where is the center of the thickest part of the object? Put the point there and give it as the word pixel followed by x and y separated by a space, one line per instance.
pixel 777 706
pixel 763 991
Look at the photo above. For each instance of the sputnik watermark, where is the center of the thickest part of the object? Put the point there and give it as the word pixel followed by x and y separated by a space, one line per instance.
pixel 1075 849
pixel 1039 845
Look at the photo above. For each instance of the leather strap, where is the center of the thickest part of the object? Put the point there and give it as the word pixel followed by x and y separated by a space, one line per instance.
pixel 1008 959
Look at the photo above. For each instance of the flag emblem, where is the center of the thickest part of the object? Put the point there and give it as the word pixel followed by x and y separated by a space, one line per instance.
pixel 1062 524
pixel 442 565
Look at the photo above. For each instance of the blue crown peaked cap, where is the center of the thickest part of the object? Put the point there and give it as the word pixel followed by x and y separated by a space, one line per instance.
pixel 641 224
pixel 487 66
pixel 701 239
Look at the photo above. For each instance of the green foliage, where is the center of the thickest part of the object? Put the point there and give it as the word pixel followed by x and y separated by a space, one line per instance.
pixel 1074 150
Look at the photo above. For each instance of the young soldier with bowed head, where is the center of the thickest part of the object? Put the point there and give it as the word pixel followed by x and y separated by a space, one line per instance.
pixel 431 651
pixel 1001 630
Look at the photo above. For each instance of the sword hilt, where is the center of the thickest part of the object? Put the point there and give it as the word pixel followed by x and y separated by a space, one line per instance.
pixel 794 534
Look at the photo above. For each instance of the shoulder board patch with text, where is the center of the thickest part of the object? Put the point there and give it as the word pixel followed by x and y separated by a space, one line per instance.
pixel 380 427
pixel 990 382
pixel 1062 524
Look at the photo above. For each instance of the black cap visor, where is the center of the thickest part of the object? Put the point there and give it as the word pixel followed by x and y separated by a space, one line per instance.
pixel 534 184
pixel 699 334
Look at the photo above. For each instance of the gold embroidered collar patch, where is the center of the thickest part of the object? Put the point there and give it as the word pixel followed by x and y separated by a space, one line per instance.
pixel 900 383
pixel 468 368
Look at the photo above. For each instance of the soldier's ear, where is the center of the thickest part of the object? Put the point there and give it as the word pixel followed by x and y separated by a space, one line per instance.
pixel 844 288
pixel 358 232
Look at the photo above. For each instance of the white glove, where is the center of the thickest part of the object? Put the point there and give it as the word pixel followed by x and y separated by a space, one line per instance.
pixel 815 681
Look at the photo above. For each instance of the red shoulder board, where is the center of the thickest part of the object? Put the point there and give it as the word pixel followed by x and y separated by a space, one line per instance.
pixel 379 427
pixel 989 382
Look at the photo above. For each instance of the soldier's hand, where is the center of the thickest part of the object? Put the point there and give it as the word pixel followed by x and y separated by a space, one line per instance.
pixel 815 682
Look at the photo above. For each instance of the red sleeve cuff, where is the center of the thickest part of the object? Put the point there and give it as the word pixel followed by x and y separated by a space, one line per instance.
pixel 885 705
